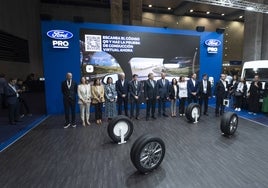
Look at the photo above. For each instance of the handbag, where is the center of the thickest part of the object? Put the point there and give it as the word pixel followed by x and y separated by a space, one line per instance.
pixel 238 93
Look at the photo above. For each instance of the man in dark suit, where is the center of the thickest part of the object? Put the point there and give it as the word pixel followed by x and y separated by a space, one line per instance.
pixel 135 93
pixel 122 93
pixel 205 93
pixel 12 100
pixel 69 91
pixel 193 89
pixel 221 92
pixel 150 92
pixel 162 94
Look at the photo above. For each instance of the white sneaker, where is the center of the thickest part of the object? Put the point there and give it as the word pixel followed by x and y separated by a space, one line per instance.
pixel 254 114
pixel 236 109
pixel 66 125
pixel 73 125
pixel 250 112
pixel 239 109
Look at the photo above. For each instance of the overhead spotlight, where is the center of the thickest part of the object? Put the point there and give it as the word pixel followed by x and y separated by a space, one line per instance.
pixel 240 17
pixel 191 10
pixel 220 30
pixel 208 12
pixel 222 14
pixel 169 8
pixel 150 6
pixel 200 28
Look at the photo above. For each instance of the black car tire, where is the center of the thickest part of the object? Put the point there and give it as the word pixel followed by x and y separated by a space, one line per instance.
pixel 120 122
pixel 229 123
pixel 147 153
pixel 190 110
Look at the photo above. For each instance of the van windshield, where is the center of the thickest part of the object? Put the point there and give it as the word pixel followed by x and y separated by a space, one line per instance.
pixel 262 72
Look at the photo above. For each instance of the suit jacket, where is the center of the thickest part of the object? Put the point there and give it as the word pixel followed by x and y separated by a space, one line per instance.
pixel 220 89
pixel 172 93
pixel 201 89
pixel 121 89
pixel 162 89
pixel 97 95
pixel 134 90
pixel 10 95
pixel 150 91
pixel 69 93
pixel 84 93
pixel 191 87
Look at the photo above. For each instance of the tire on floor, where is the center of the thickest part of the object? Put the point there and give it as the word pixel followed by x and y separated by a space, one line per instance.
pixel 147 153
pixel 191 109
pixel 118 123
pixel 229 123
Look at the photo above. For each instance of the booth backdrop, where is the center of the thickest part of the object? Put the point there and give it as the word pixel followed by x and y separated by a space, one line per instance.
pixel 129 49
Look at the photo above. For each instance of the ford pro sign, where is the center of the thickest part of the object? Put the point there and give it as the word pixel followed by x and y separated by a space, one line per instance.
pixel 59 34
pixel 213 42
pixel 60 38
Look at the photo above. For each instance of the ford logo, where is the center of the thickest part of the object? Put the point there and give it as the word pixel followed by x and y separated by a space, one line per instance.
pixel 213 42
pixel 59 34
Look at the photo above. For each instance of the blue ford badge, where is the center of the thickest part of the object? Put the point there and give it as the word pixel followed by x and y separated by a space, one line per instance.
pixel 59 34
pixel 213 42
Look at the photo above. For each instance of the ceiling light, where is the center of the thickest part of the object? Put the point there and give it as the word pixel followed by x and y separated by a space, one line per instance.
pixel 150 5
pixel 191 10
pixel 222 14
pixel 240 17
pixel 249 8
pixel 208 12
pixel 169 8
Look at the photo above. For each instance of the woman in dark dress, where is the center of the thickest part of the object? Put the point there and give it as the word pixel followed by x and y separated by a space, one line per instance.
pixel 110 99
pixel 254 95
pixel 173 95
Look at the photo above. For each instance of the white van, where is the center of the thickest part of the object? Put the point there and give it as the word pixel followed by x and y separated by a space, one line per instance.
pixel 251 68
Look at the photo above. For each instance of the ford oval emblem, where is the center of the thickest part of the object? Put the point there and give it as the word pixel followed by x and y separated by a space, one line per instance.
pixel 213 42
pixel 59 34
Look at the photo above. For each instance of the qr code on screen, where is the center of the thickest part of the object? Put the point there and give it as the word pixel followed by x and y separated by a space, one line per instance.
pixel 93 43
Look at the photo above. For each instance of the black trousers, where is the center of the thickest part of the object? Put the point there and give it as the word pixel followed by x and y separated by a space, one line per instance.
pixel 192 99
pixel 121 101
pixel 13 112
pixel 150 107
pixel 162 105
pixel 24 106
pixel 182 105
pixel 238 101
pixel 69 105
pixel 134 103
pixel 219 105
pixel 98 110
pixel 204 100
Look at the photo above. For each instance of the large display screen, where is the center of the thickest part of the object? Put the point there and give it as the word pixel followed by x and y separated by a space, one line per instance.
pixel 105 52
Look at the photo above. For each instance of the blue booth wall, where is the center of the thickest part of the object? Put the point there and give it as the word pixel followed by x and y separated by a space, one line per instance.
pixel 57 62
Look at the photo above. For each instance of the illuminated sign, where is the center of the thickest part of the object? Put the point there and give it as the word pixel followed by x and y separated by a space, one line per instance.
pixel 212 45
pixel 60 38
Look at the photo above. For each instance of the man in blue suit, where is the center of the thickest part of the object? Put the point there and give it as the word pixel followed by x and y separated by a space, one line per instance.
pixel 193 89
pixel 162 94
pixel 134 96
pixel 122 93
pixel 11 96
pixel 150 92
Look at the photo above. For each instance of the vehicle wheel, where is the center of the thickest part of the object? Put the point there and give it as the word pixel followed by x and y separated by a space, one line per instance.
pixel 229 122
pixel 120 122
pixel 191 110
pixel 147 153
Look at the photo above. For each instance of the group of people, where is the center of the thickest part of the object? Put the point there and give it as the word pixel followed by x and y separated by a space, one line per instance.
pixel 117 97
pixel 12 98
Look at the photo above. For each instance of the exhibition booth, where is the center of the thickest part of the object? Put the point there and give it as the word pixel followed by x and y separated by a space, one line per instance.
pixel 100 50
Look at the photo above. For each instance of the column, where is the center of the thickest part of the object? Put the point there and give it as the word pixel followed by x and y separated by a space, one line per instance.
pixel 116 11
pixel 135 12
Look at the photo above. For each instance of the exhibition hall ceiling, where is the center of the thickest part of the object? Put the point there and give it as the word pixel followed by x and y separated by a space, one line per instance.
pixel 215 9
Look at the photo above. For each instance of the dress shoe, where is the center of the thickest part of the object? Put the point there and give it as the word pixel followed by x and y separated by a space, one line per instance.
pixel 66 125
pixel 165 115
pixel 206 114
pixel 153 117
pixel 137 118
